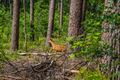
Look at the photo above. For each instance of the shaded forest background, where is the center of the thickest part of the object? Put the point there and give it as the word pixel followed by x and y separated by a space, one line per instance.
pixel 41 9
pixel 40 21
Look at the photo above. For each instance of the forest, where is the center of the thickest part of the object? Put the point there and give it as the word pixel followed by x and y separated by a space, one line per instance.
pixel 59 40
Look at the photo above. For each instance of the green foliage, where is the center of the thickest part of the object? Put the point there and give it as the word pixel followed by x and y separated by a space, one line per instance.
pixel 87 74
pixel 5 24
pixel 110 13
pixel 91 43
pixel 112 18
pixel 41 11
pixel 41 18
pixel 6 56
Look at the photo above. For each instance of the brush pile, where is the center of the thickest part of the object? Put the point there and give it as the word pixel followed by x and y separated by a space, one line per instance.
pixel 41 67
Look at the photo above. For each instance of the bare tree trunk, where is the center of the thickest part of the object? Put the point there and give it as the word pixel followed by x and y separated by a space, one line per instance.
pixel 61 16
pixel 84 9
pixel 32 19
pixel 11 7
pixel 25 32
pixel 75 19
pixel 15 25
pixel 51 20
pixel 58 5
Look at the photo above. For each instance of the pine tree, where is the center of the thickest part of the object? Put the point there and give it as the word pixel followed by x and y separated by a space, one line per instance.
pixel 15 25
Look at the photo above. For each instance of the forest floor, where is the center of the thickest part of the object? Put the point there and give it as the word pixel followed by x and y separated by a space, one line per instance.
pixel 41 66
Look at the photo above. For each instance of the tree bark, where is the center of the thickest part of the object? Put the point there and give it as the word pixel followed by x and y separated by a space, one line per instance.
pixel 15 25
pixel 32 19
pixel 84 9
pixel 11 7
pixel 25 32
pixel 61 16
pixel 51 21
pixel 111 35
pixel 75 19
pixel 111 30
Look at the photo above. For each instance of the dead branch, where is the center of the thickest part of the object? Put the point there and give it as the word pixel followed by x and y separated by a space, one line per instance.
pixel 10 77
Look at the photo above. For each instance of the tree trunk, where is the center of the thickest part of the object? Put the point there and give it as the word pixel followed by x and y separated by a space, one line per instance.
pixel 84 9
pixel 61 16
pixel 32 19
pixel 11 7
pixel 75 19
pixel 25 32
pixel 15 25
pixel 111 35
pixel 51 20
pixel 111 30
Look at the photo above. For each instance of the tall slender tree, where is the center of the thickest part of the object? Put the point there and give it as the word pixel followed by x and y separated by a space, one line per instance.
pixel 32 19
pixel 84 9
pixel 11 7
pixel 75 19
pixel 61 15
pixel 15 25
pixel 51 20
pixel 25 32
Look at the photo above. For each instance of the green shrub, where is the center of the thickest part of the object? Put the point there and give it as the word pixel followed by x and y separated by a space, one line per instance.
pixel 87 74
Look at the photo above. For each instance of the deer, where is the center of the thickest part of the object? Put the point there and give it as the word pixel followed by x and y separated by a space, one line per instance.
pixel 57 47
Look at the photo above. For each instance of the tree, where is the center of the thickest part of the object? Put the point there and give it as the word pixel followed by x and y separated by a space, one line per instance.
pixel 32 19
pixel 75 19
pixel 111 35
pixel 25 32
pixel 11 7
pixel 61 15
pixel 15 25
pixel 84 9
pixel 51 20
